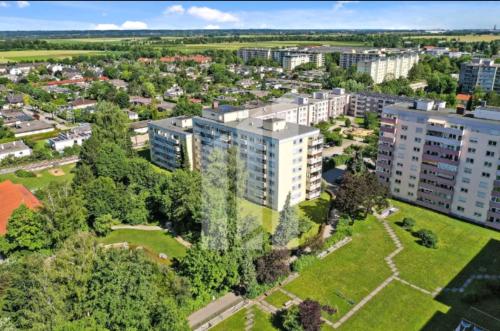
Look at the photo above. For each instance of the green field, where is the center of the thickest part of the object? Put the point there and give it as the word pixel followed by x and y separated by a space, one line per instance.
pixel 465 38
pixel 262 321
pixel 278 299
pixel 238 45
pixel 40 55
pixel 346 276
pixel 316 210
pixel 153 242
pixel 42 179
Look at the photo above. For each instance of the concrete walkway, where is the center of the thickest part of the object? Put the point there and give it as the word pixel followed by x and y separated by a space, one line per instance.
pixel 41 165
pixel 216 311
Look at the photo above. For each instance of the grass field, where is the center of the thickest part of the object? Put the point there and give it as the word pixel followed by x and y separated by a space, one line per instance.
pixel 316 210
pixel 346 276
pixel 154 242
pixel 43 178
pixel 238 45
pixel 262 321
pixel 343 278
pixel 40 55
pixel 465 38
pixel 278 299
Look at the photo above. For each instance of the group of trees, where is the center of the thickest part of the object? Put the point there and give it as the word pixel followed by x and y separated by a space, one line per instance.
pixel 349 78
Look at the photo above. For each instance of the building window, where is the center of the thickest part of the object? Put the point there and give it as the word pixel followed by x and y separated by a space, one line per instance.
pixel 460 208
pixel 418 140
pixel 468 170
pixel 488 164
pixel 492 143
pixel 477 214
pixel 403 137
pixel 471 150
pixel 466 180
pixel 485 174
pixel 479 204
pixel 463 189
pixel 473 140
pixel 490 153
pixel 469 160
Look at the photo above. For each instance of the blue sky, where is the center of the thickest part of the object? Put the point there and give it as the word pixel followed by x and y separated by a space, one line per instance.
pixel 90 15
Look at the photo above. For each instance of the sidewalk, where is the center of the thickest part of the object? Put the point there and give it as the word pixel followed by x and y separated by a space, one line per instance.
pixel 41 165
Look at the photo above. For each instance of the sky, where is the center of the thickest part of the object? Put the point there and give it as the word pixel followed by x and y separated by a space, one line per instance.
pixel 101 15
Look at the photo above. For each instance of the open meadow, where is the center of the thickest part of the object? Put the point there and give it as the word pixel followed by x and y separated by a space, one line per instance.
pixel 465 38
pixel 40 55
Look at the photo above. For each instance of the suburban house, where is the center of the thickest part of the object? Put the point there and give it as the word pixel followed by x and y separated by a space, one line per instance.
pixel 15 148
pixel 29 128
pixel 14 101
pixel 12 196
pixel 139 101
pixel 132 115
pixel 140 127
pixel 184 58
pixel 75 136
pixel 83 104
pixel 119 84
pixel 166 106
pixel 173 92
pixel 11 117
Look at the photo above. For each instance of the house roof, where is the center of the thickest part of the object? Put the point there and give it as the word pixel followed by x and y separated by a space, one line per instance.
pixel 12 196
pixel 463 97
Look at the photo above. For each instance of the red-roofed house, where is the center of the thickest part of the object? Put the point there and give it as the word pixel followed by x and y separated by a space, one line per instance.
pixel 11 197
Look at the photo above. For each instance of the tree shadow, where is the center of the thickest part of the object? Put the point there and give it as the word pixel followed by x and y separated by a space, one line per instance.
pixel 484 310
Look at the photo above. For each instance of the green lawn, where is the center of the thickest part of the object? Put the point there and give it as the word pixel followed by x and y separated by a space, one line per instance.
pixel 316 210
pixel 343 278
pixel 396 307
pixel 42 179
pixel 278 299
pixel 39 55
pixel 459 244
pixel 262 321
pixel 154 242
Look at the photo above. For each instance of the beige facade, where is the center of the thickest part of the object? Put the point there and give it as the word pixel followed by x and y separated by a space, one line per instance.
pixel 442 161
pixel 292 61
pixel 387 68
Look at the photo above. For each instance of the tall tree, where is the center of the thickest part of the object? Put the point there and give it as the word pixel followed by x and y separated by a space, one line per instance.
pixel 288 225
pixel 111 124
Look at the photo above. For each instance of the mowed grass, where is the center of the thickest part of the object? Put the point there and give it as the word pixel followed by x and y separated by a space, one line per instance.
pixel 344 277
pixel 278 299
pixel 154 241
pixel 459 245
pixel 262 321
pixel 465 38
pixel 39 55
pixel 396 307
pixel 43 178
pixel 268 218
pixel 278 43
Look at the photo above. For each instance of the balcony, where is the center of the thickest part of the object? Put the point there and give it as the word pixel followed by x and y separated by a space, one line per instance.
pixel 440 150
pixel 313 194
pixel 388 129
pixel 387 120
pixel 317 167
pixel 438 159
pixel 316 141
pixel 389 140
pixel 314 151
pixel 435 188
pixel 314 160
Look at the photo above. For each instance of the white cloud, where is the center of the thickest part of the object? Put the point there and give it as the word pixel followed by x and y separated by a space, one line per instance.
pixel 340 4
pixel 4 4
pixel 175 9
pixel 106 26
pixel 212 27
pixel 210 14
pixel 134 25
pixel 22 4
pixel 127 25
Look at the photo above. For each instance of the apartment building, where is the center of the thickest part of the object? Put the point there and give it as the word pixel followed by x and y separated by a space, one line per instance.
pixel 75 136
pixel 171 140
pixel 483 73
pixel 443 161
pixel 280 157
pixel 369 102
pixel 305 109
pixel 290 61
pixel 391 67
pixel 249 53
pixel 349 59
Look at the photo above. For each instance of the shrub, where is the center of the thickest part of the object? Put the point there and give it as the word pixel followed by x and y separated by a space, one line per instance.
pixel 303 262
pixel 24 173
pixel 350 136
pixel 427 238
pixel 408 223
pixel 272 266
pixel 348 123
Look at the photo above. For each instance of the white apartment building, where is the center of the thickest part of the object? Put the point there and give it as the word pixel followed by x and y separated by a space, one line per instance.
pixel 294 60
pixel 280 157
pixel 75 136
pixel 348 59
pixel 392 67
pixel 171 139
pixel 249 53
pixel 443 161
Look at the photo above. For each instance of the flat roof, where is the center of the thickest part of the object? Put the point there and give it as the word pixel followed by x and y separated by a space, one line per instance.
pixel 31 126
pixel 255 126
pixel 13 146
pixel 271 108
pixel 168 124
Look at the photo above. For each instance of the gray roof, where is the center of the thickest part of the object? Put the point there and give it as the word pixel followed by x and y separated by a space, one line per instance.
pixel 255 126
pixel 271 108
pixel 13 146
pixel 31 126
pixel 168 124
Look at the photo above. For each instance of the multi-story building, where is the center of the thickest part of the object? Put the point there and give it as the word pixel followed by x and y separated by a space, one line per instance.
pixel 305 109
pixel 280 157
pixel 348 59
pixel 391 67
pixel 483 73
pixel 291 61
pixel 171 140
pixel 75 136
pixel 249 53
pixel 442 160
pixel 369 102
